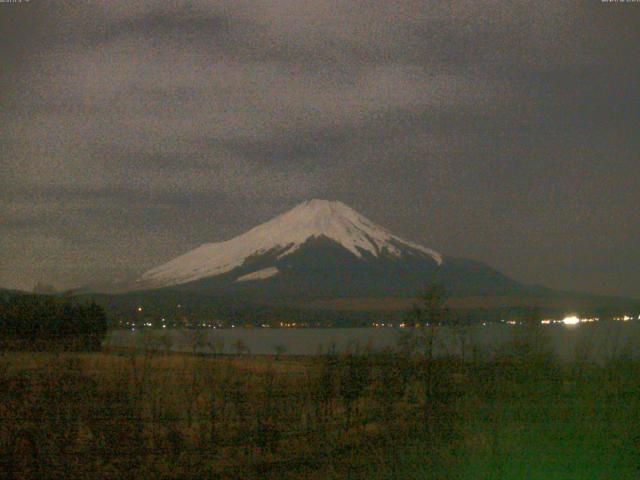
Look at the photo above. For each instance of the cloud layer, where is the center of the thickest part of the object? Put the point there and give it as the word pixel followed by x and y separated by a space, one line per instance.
pixel 133 131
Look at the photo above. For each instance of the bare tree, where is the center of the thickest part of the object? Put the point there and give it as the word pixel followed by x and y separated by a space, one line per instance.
pixel 428 315
pixel 354 379
pixel 197 340
pixel 280 350
pixel 216 345
pixel 241 347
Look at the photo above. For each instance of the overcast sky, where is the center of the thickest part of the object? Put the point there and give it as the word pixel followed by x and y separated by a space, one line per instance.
pixel 507 132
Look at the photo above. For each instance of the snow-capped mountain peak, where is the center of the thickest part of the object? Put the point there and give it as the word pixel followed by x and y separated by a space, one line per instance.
pixel 285 234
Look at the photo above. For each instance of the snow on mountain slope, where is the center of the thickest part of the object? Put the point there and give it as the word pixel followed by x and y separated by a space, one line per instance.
pixel 284 235
pixel 259 275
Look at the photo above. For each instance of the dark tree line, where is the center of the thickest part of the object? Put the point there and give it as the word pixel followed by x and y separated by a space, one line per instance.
pixel 37 322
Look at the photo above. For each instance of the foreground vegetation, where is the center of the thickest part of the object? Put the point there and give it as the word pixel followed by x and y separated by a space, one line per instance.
pixel 512 414
pixel 43 322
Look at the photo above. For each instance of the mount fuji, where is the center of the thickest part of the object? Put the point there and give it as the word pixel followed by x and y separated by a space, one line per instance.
pixel 319 249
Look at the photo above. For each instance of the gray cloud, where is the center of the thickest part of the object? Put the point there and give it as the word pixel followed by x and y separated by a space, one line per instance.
pixel 503 131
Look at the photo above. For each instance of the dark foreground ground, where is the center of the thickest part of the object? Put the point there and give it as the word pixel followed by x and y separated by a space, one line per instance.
pixel 517 414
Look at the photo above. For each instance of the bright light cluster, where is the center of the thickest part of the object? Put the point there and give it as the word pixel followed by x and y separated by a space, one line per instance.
pixel 571 320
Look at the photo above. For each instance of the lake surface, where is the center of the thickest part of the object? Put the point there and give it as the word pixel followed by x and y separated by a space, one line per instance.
pixel 598 341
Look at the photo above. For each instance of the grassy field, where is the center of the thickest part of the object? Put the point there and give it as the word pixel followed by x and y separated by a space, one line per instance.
pixel 514 415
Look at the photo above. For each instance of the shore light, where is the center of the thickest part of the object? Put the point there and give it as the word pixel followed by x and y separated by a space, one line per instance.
pixel 571 320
